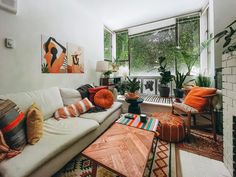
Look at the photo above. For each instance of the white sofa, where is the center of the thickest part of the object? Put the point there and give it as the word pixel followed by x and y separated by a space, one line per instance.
pixel 62 140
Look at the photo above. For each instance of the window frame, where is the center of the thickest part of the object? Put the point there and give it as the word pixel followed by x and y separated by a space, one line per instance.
pixel 105 29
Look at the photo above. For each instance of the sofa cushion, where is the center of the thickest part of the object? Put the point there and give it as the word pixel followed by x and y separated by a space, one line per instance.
pixel 101 116
pixel 49 100
pixel 12 125
pixel 104 98
pixel 34 122
pixel 70 96
pixel 57 136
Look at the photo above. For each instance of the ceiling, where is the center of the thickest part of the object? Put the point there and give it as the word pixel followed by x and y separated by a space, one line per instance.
pixel 119 14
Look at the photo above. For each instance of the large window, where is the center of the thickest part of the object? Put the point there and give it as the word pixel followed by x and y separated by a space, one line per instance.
pixel 107 45
pixel 146 48
pixel 178 43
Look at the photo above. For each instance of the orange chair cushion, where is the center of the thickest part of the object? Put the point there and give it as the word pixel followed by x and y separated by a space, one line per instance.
pixel 195 97
pixel 104 98
pixel 172 127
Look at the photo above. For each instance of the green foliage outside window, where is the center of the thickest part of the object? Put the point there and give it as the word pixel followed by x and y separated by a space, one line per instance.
pixel 122 46
pixel 107 45
pixel 146 48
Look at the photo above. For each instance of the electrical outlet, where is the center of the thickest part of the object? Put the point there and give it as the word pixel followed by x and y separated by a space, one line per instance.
pixel 9 43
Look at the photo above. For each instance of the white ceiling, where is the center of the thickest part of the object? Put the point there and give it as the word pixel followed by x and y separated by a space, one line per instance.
pixel 118 14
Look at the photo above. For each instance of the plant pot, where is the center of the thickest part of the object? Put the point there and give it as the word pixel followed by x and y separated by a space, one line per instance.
pixel 164 91
pixel 132 96
pixel 179 93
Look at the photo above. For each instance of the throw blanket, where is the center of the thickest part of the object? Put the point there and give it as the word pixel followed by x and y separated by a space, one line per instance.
pixel 83 90
pixel 150 125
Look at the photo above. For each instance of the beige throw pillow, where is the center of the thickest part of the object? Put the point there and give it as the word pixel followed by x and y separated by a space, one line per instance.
pixel 34 120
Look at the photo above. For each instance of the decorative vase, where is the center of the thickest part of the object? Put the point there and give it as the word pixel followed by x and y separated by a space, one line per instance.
pixel 179 93
pixel 164 91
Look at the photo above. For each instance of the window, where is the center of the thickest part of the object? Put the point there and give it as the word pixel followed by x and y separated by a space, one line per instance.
pixel 179 42
pixel 107 45
pixel 189 42
pixel 122 52
pixel 146 48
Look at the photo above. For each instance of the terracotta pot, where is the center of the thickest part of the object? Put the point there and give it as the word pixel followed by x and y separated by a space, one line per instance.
pixel 132 96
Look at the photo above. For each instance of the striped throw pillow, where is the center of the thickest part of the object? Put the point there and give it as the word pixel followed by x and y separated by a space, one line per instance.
pixel 73 110
pixel 12 125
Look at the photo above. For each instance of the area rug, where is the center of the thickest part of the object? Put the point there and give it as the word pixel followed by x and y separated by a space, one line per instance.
pixel 203 144
pixel 161 163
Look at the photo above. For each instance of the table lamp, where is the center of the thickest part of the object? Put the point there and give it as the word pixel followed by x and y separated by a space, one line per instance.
pixel 102 66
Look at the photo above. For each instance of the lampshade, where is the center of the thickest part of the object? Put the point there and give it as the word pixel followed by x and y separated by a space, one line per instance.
pixel 102 66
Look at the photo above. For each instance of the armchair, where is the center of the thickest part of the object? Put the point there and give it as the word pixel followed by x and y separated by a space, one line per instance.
pixel 188 112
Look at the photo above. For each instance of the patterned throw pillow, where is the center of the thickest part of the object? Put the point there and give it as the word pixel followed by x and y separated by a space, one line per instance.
pixel 74 110
pixel 12 125
pixel 34 123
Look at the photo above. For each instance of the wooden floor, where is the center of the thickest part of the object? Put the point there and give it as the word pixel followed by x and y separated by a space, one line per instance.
pixel 122 149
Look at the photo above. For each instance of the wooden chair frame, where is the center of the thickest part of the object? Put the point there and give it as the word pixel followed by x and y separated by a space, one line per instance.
pixel 208 111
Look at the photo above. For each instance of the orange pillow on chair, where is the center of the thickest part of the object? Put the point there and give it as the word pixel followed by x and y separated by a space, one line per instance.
pixel 195 97
pixel 104 98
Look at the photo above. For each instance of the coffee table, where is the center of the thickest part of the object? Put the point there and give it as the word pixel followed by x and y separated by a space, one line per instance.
pixel 122 149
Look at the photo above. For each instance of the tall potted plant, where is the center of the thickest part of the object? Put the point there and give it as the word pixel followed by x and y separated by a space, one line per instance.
pixel 166 78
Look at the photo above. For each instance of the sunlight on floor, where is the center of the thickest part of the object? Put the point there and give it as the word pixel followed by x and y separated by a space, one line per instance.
pixel 198 166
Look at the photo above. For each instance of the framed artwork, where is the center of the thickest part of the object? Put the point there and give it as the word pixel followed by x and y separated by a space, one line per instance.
pixel 54 58
pixel 149 86
pixel 141 85
pixel 75 57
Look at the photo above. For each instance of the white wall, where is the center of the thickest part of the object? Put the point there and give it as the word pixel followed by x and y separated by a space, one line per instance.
pixel 224 14
pixel 20 68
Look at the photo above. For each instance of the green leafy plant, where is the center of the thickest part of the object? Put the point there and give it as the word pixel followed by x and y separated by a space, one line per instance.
pixel 107 73
pixel 203 81
pixel 45 68
pixel 180 79
pixel 122 87
pixel 133 85
pixel 228 34
pixel 166 76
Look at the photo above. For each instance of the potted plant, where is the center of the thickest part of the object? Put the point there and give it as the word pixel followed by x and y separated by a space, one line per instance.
pixel 107 73
pixel 203 81
pixel 122 87
pixel 179 81
pixel 166 78
pixel 132 86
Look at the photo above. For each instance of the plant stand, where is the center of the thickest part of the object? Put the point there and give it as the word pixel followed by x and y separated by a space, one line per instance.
pixel 134 105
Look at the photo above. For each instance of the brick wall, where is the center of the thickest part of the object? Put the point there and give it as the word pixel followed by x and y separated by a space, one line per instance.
pixel 229 106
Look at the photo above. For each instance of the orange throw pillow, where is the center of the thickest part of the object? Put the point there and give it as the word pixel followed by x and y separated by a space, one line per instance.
pixel 104 98
pixel 195 97
pixel 73 110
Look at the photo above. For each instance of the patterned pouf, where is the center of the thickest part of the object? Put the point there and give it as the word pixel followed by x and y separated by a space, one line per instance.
pixel 172 127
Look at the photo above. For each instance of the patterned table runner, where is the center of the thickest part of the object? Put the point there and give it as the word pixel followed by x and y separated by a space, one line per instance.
pixel 150 125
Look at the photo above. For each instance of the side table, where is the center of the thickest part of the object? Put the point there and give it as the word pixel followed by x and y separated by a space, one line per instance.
pixel 134 105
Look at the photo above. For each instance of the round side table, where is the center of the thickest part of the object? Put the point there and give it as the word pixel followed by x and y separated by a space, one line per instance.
pixel 134 105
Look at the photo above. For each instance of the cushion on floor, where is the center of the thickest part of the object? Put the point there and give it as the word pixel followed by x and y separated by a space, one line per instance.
pixel 172 127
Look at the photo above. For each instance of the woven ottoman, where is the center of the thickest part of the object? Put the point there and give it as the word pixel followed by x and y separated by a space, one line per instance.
pixel 172 127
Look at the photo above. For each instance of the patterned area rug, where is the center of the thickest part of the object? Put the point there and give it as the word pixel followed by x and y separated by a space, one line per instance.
pixel 202 143
pixel 161 163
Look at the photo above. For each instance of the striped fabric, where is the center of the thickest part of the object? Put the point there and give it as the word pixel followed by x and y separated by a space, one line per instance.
pixel 12 125
pixel 150 125
pixel 73 110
